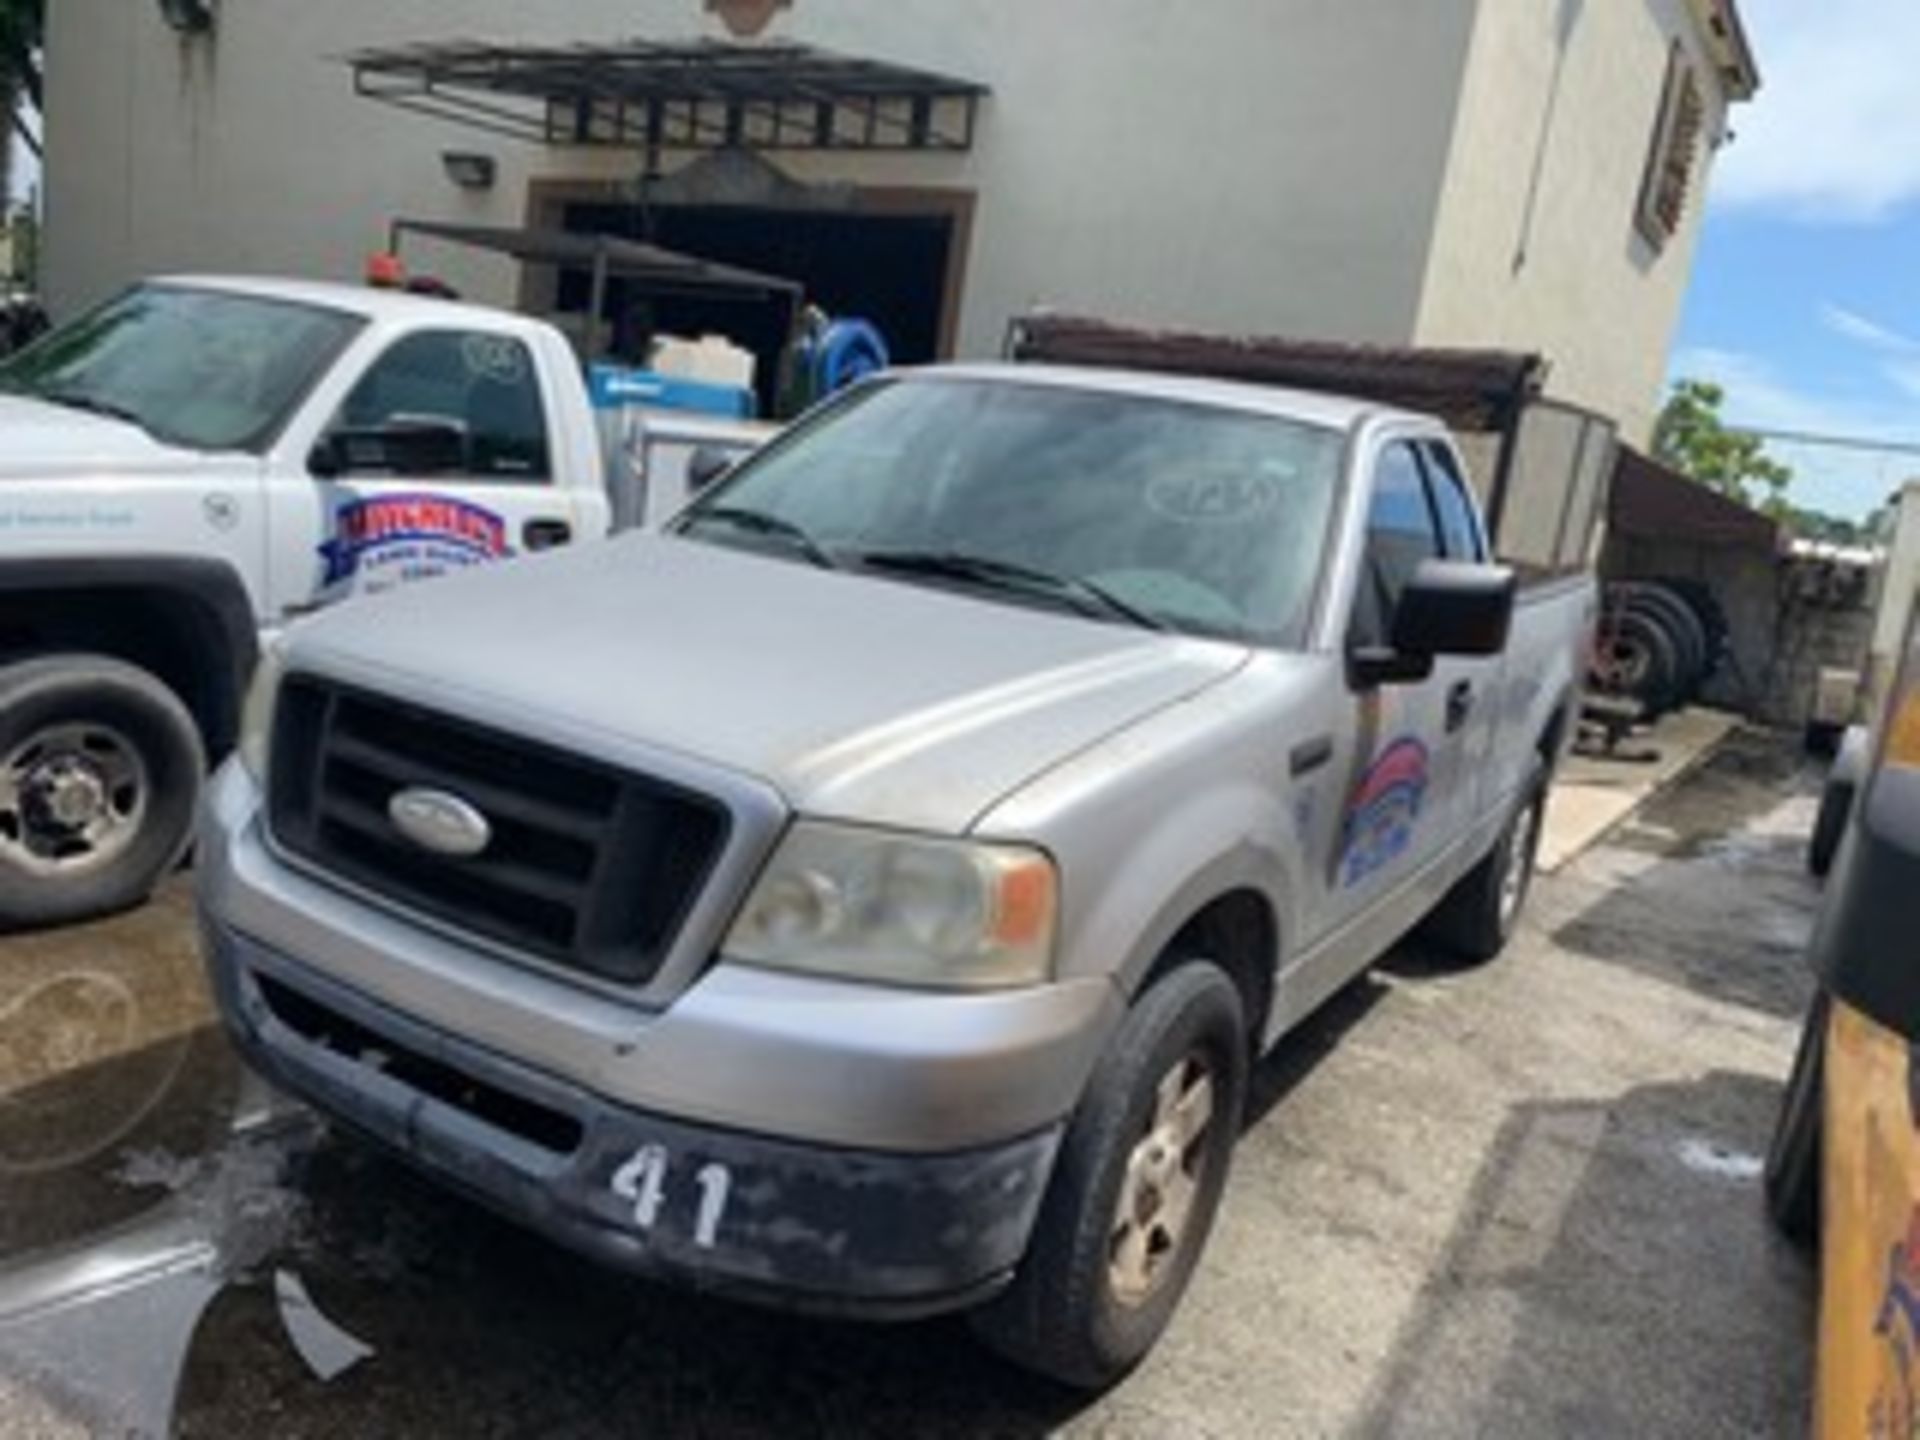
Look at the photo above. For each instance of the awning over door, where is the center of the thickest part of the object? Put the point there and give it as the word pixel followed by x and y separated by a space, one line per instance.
pixel 701 95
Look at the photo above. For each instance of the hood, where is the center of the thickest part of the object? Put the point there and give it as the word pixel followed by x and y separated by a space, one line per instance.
pixel 856 697
pixel 42 441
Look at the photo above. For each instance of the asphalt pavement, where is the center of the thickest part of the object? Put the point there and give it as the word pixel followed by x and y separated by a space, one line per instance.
pixel 1517 1201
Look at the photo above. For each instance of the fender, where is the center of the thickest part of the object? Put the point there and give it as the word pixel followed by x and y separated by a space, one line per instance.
pixel 1216 842
pixel 218 615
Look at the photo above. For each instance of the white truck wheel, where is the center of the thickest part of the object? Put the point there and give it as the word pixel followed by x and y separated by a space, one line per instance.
pixel 100 774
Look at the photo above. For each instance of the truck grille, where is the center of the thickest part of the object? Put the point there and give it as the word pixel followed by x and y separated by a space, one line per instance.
pixel 589 867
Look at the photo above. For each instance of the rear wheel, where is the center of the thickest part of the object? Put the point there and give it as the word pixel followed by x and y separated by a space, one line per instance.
pixel 1636 656
pixel 100 773
pixel 1135 1189
pixel 1477 919
pixel 1793 1159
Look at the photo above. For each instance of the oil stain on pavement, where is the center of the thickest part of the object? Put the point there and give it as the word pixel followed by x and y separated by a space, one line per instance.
pixel 1513 1201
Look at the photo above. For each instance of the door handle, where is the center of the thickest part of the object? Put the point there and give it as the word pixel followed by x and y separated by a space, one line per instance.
pixel 546 534
pixel 1309 755
pixel 1459 705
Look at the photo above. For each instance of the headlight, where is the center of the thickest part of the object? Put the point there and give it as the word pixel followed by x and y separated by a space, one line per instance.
pixel 256 716
pixel 901 909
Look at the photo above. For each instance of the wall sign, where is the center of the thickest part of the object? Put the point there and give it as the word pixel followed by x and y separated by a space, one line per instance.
pixel 747 17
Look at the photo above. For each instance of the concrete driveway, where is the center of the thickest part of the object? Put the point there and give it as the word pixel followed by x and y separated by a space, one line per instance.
pixel 1514 1202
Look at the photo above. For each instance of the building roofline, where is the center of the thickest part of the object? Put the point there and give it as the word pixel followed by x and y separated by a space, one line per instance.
pixel 1726 36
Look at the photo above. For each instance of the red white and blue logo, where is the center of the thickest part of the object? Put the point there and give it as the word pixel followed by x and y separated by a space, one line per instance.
pixel 396 538
pixel 1897 1328
pixel 1380 822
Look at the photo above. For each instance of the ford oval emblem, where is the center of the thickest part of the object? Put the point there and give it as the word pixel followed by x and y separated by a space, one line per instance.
pixel 442 823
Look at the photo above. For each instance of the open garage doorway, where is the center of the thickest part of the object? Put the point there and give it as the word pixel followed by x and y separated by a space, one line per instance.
pixel 897 260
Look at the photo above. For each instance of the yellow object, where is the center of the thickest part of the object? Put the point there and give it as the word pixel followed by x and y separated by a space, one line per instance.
pixel 1869 1365
pixel 1903 730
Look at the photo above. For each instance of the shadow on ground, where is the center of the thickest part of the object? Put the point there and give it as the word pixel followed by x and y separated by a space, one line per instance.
pixel 1612 1275
pixel 1720 872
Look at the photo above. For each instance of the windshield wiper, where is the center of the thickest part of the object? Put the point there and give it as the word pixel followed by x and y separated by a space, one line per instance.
pixel 1086 596
pixel 759 522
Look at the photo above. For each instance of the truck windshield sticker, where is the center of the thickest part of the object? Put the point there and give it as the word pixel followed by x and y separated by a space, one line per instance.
pixel 393 539
pixel 1213 498
pixel 496 358
pixel 1386 807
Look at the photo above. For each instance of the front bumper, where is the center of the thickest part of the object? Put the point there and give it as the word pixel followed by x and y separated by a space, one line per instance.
pixel 802 1225
pixel 814 1060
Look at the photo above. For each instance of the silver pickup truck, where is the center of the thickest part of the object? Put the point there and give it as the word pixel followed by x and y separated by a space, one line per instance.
pixel 870 895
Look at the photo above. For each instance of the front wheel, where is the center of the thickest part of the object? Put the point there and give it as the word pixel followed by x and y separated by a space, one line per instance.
pixel 100 774
pixel 1135 1189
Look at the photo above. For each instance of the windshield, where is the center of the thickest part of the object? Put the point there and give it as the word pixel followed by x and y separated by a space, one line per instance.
pixel 204 369
pixel 1180 516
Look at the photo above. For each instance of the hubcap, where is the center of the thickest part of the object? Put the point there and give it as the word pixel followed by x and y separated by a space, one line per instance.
pixel 1519 862
pixel 1161 1183
pixel 71 797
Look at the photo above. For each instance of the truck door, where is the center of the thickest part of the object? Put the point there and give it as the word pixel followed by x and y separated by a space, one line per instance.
pixel 441 456
pixel 1475 689
pixel 1408 791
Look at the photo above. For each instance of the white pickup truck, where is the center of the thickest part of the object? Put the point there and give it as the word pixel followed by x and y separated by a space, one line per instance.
pixel 877 898
pixel 202 459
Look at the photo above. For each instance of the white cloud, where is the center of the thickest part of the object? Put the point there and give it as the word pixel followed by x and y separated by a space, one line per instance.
pixel 1854 326
pixel 1846 482
pixel 1897 354
pixel 1835 132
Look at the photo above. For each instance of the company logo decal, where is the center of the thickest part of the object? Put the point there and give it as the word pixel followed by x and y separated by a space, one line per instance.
pixel 1897 1327
pixel 442 823
pixel 392 539
pixel 1380 822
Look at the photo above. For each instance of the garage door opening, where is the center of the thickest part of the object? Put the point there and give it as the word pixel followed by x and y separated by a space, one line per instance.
pixel 899 271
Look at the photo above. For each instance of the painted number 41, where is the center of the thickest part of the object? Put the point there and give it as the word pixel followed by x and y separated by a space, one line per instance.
pixel 643 1182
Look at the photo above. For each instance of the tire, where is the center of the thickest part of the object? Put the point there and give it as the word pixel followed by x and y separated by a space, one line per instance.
pixel 1793 1159
pixel 1067 1315
pixel 1683 627
pixel 1829 827
pixel 100 774
pixel 1479 915
pixel 1706 605
pixel 1654 660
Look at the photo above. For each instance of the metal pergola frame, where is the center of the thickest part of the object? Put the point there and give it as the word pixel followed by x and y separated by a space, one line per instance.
pixel 610 257
pixel 698 95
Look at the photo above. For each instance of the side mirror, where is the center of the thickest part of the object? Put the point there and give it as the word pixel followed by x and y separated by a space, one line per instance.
pixel 401 447
pixel 706 465
pixel 1447 608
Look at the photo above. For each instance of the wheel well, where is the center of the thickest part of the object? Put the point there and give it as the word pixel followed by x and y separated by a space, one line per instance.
pixel 176 636
pixel 1239 933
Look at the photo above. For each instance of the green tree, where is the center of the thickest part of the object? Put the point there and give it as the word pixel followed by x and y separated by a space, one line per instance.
pixel 23 26
pixel 1692 438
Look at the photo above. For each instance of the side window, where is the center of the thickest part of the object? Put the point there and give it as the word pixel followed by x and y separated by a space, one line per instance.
pixel 482 389
pixel 1401 532
pixel 1458 528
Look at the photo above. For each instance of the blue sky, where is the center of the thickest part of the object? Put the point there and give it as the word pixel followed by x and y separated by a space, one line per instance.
pixel 1806 295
